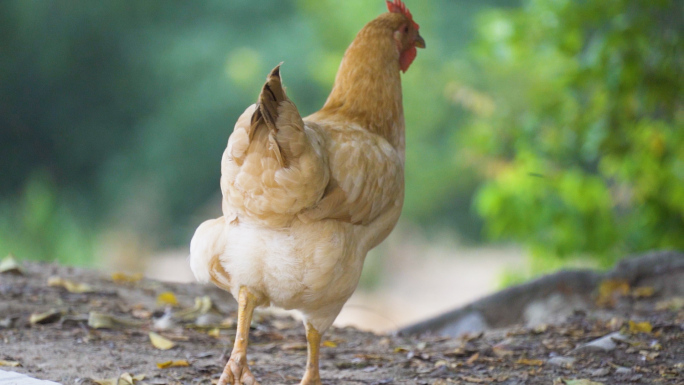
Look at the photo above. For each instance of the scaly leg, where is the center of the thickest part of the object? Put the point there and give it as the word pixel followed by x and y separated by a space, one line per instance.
pixel 313 340
pixel 236 371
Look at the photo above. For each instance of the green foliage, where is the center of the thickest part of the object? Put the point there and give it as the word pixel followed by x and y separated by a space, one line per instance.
pixel 127 106
pixel 39 227
pixel 564 120
pixel 582 152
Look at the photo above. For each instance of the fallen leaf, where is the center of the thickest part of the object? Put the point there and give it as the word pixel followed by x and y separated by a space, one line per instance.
pixel 400 349
pixel 172 364
pixel 126 278
pixel 330 344
pixel 672 304
pixel 215 332
pixel 141 313
pixel 160 342
pixel 70 286
pixel 294 346
pixel 124 379
pixel 441 363
pixel 576 382
pixel 501 350
pixel 643 292
pixel 525 361
pixel 98 320
pixel 9 363
pixel 49 316
pixel 473 358
pixel 609 290
pixel 203 305
pixel 10 265
pixel 167 298
pixel 640 327
pixel 649 356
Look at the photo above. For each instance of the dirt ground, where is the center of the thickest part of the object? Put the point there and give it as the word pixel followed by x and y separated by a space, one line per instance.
pixel 65 347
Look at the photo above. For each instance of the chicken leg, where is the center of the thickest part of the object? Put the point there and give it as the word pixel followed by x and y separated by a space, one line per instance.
pixel 313 340
pixel 236 371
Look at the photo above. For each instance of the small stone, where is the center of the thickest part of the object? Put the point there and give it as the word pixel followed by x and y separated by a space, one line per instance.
pixel 599 372
pixel 562 361
pixel 605 343
pixel 623 370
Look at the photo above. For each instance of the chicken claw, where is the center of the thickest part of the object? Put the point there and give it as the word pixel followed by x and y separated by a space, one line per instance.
pixel 236 371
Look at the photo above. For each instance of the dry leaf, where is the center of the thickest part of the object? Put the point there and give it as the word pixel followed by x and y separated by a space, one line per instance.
pixel 610 289
pixel 640 327
pixel 126 278
pixel 167 298
pixel 98 320
pixel 160 342
pixel 203 305
pixel 9 363
pixel 643 292
pixel 215 332
pixel 561 381
pixel 70 286
pixel 473 358
pixel 294 346
pixel 649 356
pixel 441 363
pixel 172 364
pixel 141 313
pixel 10 265
pixel 525 361
pixel 282 325
pixel 329 344
pixel 501 350
pixel 49 316
pixel 672 304
pixel 124 379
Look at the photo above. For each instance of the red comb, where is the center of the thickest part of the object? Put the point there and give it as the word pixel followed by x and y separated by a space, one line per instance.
pixel 399 7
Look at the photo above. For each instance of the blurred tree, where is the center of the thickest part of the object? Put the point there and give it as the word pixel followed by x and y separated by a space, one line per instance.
pixel 577 127
pixel 119 111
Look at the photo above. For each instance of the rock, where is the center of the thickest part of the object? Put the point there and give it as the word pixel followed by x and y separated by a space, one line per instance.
pixel 623 370
pixel 553 309
pixel 12 378
pixel 600 372
pixel 605 343
pixel 562 361
pixel 470 323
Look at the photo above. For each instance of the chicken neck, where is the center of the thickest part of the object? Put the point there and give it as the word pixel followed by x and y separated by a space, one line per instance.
pixel 367 88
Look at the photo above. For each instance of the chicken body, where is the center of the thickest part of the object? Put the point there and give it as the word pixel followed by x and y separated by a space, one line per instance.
pixel 284 253
pixel 304 200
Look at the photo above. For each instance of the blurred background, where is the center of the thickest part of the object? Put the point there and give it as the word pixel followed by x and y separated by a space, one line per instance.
pixel 540 133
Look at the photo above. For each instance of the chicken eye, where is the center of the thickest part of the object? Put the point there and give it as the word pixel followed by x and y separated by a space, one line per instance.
pixel 406 29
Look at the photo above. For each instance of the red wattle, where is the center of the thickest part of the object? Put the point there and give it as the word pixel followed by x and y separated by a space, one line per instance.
pixel 406 58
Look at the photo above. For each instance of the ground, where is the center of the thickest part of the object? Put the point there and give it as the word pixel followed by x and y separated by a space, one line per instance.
pixel 70 345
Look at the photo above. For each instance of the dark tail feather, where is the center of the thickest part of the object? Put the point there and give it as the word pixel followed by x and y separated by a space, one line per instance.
pixel 272 94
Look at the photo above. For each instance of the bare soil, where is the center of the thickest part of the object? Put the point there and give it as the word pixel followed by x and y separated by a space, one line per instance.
pixel 65 349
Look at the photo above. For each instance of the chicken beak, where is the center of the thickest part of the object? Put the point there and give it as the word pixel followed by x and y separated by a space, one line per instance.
pixel 419 42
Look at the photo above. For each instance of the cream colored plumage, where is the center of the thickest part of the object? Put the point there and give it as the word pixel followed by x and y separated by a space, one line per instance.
pixel 304 200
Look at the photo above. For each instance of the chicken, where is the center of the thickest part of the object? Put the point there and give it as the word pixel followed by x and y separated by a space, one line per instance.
pixel 304 200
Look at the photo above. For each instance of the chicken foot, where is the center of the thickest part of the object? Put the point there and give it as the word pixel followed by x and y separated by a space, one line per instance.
pixel 236 371
pixel 313 340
